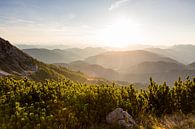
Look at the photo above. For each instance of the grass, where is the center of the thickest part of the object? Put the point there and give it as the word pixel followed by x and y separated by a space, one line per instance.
pixel 174 121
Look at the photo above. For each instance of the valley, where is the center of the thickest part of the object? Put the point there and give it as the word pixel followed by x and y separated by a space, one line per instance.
pixel 134 66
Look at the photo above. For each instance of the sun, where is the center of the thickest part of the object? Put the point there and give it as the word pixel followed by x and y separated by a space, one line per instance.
pixel 120 33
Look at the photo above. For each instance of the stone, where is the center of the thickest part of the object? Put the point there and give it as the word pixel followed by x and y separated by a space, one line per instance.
pixel 120 117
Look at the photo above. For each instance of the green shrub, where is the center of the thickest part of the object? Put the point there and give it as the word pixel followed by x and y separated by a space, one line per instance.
pixel 65 104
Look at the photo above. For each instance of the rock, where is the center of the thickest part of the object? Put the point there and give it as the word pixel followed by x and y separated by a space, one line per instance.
pixel 120 117
pixel 3 73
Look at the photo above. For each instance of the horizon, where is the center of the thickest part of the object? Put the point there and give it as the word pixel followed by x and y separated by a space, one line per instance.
pixel 64 46
pixel 115 24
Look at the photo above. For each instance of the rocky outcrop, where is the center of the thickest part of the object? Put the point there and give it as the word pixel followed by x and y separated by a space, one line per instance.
pixel 3 73
pixel 120 117
pixel 13 60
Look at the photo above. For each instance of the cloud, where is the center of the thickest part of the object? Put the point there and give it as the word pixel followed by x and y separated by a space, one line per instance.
pixel 117 4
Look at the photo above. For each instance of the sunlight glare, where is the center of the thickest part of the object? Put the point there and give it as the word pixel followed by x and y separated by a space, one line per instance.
pixel 120 33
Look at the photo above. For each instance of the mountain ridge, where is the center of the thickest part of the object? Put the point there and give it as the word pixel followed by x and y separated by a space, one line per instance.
pixel 12 60
pixel 124 59
pixel 62 55
pixel 15 62
pixel 182 53
pixel 92 70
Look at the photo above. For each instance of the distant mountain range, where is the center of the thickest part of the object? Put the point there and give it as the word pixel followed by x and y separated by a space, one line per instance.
pixel 122 60
pixel 134 66
pixel 192 65
pixel 41 46
pixel 154 67
pixel 159 71
pixel 182 53
pixel 63 56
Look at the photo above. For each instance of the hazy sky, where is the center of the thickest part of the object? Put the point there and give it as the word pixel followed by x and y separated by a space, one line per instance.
pixel 116 23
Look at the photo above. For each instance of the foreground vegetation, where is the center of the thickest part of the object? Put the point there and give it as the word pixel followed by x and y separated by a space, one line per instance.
pixel 65 104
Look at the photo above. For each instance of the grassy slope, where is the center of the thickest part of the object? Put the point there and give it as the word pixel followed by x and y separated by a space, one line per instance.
pixel 56 73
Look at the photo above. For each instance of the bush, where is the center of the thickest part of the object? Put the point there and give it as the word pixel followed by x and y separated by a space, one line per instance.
pixel 65 104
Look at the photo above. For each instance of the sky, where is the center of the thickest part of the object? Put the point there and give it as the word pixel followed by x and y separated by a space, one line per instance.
pixel 111 23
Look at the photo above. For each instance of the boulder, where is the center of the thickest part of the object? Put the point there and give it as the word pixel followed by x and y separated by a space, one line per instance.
pixel 120 117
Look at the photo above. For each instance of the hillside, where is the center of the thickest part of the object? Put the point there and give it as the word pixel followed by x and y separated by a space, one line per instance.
pixel 125 59
pixel 154 67
pixel 160 71
pixel 160 77
pixel 62 56
pixel 17 63
pixel 161 68
pixel 138 74
pixel 51 56
pixel 92 70
pixel 191 65
pixel 182 53
pixel 12 60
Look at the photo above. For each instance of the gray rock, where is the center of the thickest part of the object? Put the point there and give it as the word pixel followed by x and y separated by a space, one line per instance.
pixel 120 117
